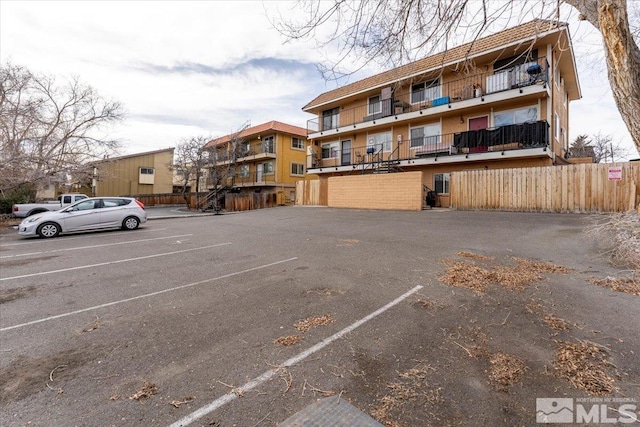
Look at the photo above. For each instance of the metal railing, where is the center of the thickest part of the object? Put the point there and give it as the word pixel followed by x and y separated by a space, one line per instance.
pixel 500 139
pixel 472 86
pixel 252 178
pixel 253 150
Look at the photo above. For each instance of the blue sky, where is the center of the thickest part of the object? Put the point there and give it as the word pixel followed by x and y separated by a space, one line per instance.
pixel 185 69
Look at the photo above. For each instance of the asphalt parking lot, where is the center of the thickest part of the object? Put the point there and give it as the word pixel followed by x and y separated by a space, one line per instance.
pixel 193 308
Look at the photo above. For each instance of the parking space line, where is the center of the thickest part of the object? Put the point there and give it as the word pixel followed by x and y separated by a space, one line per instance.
pixel 221 401
pixel 42 273
pixel 67 237
pixel 95 246
pixel 164 291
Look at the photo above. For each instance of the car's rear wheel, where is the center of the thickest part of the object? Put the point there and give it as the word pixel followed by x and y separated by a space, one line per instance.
pixel 130 223
pixel 48 230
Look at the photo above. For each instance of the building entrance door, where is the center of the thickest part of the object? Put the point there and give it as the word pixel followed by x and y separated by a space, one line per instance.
pixel 478 123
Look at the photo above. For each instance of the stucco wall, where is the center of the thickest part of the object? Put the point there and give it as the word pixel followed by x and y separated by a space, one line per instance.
pixel 401 191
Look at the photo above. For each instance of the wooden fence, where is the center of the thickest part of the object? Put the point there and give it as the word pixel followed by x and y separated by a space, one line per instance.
pixel 249 201
pixel 232 201
pixel 311 192
pixel 580 188
pixel 169 199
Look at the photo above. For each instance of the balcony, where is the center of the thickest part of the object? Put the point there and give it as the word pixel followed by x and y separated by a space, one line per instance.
pixel 469 89
pixel 256 152
pixel 460 146
pixel 252 179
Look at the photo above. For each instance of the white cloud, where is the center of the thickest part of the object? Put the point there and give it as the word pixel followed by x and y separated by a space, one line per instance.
pixel 186 68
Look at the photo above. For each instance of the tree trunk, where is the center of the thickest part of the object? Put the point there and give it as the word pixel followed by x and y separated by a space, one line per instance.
pixel 622 55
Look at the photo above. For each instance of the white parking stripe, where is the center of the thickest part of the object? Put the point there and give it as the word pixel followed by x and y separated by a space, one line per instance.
pixel 112 262
pixel 94 246
pixel 96 307
pixel 207 409
pixel 67 237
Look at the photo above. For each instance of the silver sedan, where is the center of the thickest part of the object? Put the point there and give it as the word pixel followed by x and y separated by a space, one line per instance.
pixel 95 213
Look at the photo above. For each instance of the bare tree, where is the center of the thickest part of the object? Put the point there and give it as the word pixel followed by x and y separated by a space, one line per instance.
pixel 393 31
pixel 190 162
pixel 49 130
pixel 600 148
pixel 222 169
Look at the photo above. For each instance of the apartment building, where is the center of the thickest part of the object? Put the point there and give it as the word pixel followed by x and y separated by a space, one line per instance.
pixel 134 174
pixel 501 101
pixel 269 157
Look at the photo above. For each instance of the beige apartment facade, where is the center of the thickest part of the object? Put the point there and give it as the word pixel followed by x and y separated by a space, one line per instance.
pixel 502 101
pixel 135 174
pixel 267 158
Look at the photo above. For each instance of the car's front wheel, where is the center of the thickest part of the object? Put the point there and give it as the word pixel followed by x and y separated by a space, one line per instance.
pixel 130 223
pixel 48 230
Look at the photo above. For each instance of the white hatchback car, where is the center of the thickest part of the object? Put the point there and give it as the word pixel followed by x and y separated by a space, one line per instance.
pixel 94 213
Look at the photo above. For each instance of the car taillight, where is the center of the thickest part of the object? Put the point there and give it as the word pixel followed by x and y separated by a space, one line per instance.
pixel 15 208
pixel 140 203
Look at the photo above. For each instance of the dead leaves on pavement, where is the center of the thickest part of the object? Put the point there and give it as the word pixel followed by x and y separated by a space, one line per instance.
pixel 304 326
pixel 469 275
pixel 587 366
pixel 148 389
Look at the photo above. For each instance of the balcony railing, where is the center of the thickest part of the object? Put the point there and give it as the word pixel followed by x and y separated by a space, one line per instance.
pixel 500 139
pixel 474 86
pixel 254 151
pixel 251 179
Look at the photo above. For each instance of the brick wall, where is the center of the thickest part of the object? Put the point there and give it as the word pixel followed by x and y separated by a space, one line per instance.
pixel 401 191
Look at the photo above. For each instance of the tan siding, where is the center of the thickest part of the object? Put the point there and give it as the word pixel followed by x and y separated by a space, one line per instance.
pixel 120 177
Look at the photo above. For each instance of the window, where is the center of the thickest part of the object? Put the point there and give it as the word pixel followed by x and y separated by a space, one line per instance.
pixel 244 148
pixel 297 169
pixel 374 104
pixel 441 183
pixel 512 61
pixel 267 167
pixel 380 141
pixel 113 203
pixel 513 117
pixel 268 145
pixel 565 98
pixel 244 171
pixel 425 135
pixel 297 143
pixel 146 176
pixel 86 205
pixel 330 119
pixel 425 91
pixel 556 120
pixel 330 150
